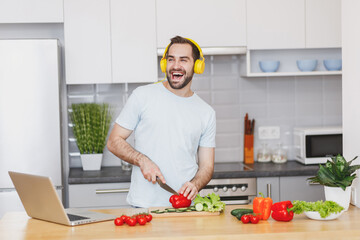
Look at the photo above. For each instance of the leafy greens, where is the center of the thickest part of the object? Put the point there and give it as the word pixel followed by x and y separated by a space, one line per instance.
pixel 324 208
pixel 211 202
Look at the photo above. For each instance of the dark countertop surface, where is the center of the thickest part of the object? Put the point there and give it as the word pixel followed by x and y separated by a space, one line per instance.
pixel 222 170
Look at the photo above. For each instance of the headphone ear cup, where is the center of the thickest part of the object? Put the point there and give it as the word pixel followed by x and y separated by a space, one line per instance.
pixel 163 65
pixel 199 66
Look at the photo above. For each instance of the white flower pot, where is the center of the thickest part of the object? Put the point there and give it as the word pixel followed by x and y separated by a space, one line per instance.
pixel 338 195
pixel 91 162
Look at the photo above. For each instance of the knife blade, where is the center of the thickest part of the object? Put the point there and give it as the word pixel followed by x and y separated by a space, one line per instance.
pixel 165 186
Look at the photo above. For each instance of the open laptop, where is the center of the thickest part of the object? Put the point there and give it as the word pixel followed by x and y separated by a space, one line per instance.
pixel 41 201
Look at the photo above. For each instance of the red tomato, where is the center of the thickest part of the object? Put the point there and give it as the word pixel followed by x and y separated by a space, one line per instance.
pixel 142 221
pixel 245 218
pixel 118 221
pixel 254 219
pixel 139 216
pixel 124 217
pixel 148 217
pixel 131 221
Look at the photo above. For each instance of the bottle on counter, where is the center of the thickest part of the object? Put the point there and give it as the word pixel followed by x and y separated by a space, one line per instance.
pixel 264 153
pixel 279 154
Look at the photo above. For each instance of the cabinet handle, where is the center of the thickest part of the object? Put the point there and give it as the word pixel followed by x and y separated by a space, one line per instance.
pixel 316 183
pixel 103 191
pixel 268 186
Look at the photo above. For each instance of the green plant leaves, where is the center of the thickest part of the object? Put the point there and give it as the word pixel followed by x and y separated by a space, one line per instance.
pixel 336 173
pixel 91 123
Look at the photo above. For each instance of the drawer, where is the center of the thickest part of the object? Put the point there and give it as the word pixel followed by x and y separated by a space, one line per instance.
pixel 102 195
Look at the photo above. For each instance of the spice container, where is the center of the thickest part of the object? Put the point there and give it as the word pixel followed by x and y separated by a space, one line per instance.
pixel 264 153
pixel 279 155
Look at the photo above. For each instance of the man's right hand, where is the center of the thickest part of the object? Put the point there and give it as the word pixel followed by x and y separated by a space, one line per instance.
pixel 150 170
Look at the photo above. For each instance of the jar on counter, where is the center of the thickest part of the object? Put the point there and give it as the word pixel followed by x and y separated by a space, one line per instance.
pixel 279 155
pixel 264 153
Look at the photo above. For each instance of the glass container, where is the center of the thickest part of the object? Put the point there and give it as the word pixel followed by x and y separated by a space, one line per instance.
pixel 279 154
pixel 264 153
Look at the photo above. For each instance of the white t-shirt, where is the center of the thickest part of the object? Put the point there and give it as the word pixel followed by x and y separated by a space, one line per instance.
pixel 168 129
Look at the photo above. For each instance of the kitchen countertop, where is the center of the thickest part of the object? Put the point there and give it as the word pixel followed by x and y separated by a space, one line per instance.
pixel 222 170
pixel 17 225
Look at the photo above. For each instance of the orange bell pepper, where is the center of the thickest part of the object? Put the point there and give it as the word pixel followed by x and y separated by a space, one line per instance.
pixel 262 206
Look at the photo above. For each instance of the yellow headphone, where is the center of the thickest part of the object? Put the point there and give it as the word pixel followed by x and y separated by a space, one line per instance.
pixel 199 65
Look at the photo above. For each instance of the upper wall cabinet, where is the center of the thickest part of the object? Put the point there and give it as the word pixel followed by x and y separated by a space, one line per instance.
pixel 211 23
pixel 275 24
pixel 31 11
pixel 323 23
pixel 87 41
pixel 133 40
pixel 106 41
pixel 283 24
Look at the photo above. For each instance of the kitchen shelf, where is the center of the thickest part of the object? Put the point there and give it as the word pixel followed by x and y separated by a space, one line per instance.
pixel 287 58
pixel 279 74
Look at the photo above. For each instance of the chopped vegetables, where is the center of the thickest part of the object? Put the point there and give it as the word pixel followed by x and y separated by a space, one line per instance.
pixel 211 202
pixel 325 208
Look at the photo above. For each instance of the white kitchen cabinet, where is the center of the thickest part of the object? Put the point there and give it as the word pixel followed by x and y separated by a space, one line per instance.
pixel 99 195
pixel 87 41
pixel 323 23
pixel 31 11
pixel 133 40
pixel 275 24
pixel 211 23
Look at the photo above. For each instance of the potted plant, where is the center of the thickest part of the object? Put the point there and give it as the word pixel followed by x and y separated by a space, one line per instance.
pixel 337 176
pixel 91 122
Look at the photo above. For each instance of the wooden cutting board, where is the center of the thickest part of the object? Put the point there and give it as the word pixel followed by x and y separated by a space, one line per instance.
pixel 180 214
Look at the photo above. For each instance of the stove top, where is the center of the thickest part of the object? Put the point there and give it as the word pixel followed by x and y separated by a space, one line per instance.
pixel 231 167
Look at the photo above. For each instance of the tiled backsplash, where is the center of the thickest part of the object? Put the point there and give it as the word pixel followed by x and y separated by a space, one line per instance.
pixel 273 101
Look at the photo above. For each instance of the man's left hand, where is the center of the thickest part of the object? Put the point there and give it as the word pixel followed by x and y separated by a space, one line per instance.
pixel 189 190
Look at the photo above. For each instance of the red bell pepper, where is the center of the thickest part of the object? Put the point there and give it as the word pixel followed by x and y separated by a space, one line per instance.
pixel 281 211
pixel 262 206
pixel 179 201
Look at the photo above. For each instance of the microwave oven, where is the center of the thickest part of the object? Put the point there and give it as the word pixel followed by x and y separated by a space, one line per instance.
pixel 315 145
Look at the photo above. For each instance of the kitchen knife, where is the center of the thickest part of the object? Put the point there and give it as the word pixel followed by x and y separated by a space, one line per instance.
pixel 165 186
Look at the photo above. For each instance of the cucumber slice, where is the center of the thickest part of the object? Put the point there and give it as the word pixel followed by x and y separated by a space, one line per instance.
pixel 199 207
pixel 183 209
pixel 171 210
pixel 160 212
pixel 155 211
pixel 188 210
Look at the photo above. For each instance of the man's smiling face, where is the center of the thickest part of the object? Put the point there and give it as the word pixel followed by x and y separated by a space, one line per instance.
pixel 179 65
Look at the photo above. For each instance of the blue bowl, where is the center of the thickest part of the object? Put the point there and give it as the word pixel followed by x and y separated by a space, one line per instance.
pixel 333 64
pixel 306 65
pixel 269 66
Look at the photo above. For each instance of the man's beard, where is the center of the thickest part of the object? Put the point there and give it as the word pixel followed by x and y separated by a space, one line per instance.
pixel 180 85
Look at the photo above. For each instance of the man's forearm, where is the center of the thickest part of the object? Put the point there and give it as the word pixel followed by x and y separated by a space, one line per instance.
pixel 203 177
pixel 123 150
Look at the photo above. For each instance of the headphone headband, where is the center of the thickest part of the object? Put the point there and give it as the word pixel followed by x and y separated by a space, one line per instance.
pixel 199 64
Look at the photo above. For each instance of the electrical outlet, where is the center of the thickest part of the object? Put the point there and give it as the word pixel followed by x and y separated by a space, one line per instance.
pixel 270 132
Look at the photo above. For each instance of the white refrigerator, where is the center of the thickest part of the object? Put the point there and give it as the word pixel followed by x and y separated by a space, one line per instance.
pixel 29 114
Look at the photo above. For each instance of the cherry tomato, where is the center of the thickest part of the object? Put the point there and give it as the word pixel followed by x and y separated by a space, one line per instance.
pixel 139 216
pixel 148 217
pixel 124 217
pixel 245 218
pixel 118 221
pixel 254 219
pixel 142 221
pixel 131 221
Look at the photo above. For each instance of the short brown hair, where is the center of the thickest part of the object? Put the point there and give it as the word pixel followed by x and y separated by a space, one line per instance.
pixel 181 40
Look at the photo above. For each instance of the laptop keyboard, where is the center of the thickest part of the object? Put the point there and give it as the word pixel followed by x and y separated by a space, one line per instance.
pixel 76 217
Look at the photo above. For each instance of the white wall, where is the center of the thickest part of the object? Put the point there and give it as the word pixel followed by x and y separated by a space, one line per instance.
pixel 351 83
